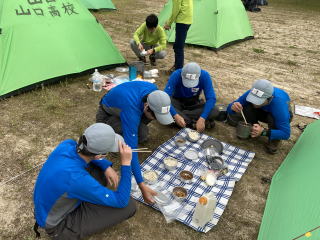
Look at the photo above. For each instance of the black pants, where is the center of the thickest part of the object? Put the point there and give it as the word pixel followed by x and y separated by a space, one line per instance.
pixel 89 218
pixel 191 109
pixel 111 116
pixel 178 46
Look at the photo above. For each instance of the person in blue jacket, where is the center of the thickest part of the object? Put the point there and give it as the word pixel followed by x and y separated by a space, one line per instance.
pixel 184 87
pixel 268 104
pixel 128 108
pixel 71 200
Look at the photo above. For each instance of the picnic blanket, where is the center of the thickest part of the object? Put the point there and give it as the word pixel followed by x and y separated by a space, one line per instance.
pixel 236 158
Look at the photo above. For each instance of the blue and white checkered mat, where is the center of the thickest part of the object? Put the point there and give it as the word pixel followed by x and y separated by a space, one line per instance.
pixel 237 160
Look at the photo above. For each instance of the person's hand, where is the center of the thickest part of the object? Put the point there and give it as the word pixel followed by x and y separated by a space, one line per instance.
pixel 236 107
pixel 147 193
pixel 125 154
pixel 201 124
pixel 179 120
pixel 256 130
pixel 150 51
pixel 140 46
pixel 166 27
pixel 112 177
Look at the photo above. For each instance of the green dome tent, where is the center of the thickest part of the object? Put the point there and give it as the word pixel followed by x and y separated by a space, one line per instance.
pixel 216 23
pixel 292 209
pixel 98 4
pixel 46 39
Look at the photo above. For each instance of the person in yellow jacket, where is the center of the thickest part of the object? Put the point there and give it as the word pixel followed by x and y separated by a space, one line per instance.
pixel 182 15
pixel 149 40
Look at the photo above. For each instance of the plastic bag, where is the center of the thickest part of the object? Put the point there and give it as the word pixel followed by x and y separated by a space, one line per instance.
pixel 171 209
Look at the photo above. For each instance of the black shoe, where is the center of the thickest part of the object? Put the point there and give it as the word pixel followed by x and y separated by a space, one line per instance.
pixel 272 146
pixel 152 59
pixel 210 124
pixel 171 70
pixel 143 59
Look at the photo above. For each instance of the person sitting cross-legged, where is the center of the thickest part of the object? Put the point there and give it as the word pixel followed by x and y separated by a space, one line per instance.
pixel 71 200
pixel 149 40
pixel 185 86
pixel 268 104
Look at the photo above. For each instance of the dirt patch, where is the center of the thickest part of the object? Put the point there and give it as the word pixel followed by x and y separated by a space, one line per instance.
pixel 285 50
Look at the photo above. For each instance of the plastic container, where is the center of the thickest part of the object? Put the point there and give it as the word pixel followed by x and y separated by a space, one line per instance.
pixel 204 210
pixel 132 73
pixel 139 66
pixel 243 130
pixel 97 81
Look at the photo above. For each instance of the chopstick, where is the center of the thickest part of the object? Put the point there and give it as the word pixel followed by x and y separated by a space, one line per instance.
pixel 141 151
pixel 133 149
pixel 244 118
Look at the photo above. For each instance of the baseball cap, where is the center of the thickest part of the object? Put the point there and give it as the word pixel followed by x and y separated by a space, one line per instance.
pixel 101 139
pixel 190 75
pixel 260 91
pixel 159 102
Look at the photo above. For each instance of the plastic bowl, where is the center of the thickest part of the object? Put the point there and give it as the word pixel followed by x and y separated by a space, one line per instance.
pixel 193 136
pixel 170 163
pixel 191 155
pixel 186 176
pixel 150 177
pixel 179 141
pixel 180 193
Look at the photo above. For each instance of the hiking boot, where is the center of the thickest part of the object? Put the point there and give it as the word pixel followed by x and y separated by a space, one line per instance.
pixel 143 59
pixel 272 146
pixel 152 59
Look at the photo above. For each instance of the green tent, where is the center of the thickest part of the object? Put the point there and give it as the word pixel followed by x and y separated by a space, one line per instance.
pixel 216 23
pixel 98 4
pixel 292 208
pixel 45 39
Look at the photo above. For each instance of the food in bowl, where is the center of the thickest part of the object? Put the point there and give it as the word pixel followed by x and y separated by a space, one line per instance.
pixel 179 141
pixel 180 193
pixel 150 177
pixel 193 136
pixel 186 176
pixel 170 163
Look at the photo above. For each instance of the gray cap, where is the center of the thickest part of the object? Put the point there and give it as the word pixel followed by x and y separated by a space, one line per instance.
pixel 101 139
pixel 260 91
pixel 159 102
pixel 190 75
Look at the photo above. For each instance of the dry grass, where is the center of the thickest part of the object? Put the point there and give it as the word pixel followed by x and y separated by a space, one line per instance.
pixel 32 124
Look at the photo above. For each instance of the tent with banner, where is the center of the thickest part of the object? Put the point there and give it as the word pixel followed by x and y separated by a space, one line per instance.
pixel 292 209
pixel 98 4
pixel 45 39
pixel 216 23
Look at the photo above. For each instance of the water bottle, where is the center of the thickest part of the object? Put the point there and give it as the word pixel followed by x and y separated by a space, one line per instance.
pixel 204 209
pixel 97 81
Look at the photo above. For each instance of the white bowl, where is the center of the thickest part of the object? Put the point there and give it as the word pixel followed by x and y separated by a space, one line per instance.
pixel 170 163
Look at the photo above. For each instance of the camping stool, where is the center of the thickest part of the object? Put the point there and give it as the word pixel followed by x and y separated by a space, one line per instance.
pixel 139 65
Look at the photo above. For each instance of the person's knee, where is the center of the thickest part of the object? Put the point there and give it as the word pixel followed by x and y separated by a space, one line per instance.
pixel 161 54
pixel 131 208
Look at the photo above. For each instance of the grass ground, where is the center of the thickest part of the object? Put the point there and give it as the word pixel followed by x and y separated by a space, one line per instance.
pixel 285 50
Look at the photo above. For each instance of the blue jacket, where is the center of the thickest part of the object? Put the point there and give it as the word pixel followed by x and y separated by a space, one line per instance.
pixel 278 108
pixel 176 89
pixel 128 98
pixel 63 183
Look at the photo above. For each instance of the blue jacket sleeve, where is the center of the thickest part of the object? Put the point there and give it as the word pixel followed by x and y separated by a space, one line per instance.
pixel 103 164
pixel 281 116
pixel 241 99
pixel 209 94
pixel 169 89
pixel 130 121
pixel 85 188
